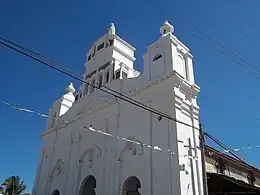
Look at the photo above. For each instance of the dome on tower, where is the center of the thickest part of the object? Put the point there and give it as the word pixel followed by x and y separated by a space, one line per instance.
pixel 70 89
pixel 166 28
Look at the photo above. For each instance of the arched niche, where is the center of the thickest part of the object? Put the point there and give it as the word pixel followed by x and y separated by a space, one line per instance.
pixel 89 154
pixel 88 186
pixel 100 79
pixel 55 192
pixel 180 65
pixel 92 83
pixel 106 76
pixel 157 57
pixel 131 186
pixel 86 87
pixel 86 158
pixel 58 169
pixel 133 145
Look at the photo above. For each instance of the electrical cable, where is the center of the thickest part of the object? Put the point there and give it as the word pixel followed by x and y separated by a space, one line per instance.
pixel 212 40
pixel 100 132
pixel 33 52
pixel 221 52
pixel 222 145
pixel 120 96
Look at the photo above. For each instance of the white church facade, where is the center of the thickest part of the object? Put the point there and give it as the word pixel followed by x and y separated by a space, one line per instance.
pixel 87 147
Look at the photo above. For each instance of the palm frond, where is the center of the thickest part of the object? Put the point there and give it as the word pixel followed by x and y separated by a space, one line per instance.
pixel 13 186
pixel 20 189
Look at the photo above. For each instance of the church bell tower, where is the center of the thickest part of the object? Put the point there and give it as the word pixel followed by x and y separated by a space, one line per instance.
pixel 168 54
pixel 109 58
pixel 115 147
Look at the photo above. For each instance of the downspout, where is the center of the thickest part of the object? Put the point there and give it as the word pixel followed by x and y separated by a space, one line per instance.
pixel 196 154
pixel 202 145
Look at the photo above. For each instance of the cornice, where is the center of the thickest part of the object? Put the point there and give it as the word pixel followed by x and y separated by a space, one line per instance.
pixel 96 42
pixel 123 53
pixel 190 90
pixel 59 125
pixel 108 103
pixel 195 111
pixel 186 107
pixel 178 101
pixel 177 42
pixel 178 81
pixel 64 104
pixel 124 42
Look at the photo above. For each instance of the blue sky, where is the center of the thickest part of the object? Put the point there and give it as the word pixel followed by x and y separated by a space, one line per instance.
pixel 65 30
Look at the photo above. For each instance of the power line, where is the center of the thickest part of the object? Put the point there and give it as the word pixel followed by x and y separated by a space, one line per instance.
pixel 34 53
pixel 227 54
pixel 43 115
pixel 99 132
pixel 223 146
pixel 243 148
pixel 227 51
pixel 119 96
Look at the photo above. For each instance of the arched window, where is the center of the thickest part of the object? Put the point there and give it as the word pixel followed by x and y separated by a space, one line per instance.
pixel 180 65
pixel 100 81
pixel 131 186
pixel 86 88
pixel 164 31
pixel 77 97
pixel 118 74
pixel 88 186
pixel 157 57
pixel 91 86
pixel 55 192
pixel 107 77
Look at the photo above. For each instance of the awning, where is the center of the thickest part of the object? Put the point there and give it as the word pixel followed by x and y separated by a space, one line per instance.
pixel 223 184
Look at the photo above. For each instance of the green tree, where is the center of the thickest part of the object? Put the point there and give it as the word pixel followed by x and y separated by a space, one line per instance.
pixel 12 186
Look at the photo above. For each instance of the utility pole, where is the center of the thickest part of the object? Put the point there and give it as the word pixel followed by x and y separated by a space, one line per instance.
pixel 204 173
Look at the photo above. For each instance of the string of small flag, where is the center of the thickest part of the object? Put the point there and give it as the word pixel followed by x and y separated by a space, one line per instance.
pixel 23 109
pixel 241 149
pixel 90 128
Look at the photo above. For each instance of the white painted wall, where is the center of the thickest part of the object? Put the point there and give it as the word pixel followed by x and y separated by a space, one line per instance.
pixel 120 51
pixel 175 56
pixel 158 171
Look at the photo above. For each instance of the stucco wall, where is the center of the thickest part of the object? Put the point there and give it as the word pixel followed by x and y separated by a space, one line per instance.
pixel 123 120
pixel 74 152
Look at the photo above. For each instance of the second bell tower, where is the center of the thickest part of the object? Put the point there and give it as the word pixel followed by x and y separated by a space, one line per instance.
pixel 168 54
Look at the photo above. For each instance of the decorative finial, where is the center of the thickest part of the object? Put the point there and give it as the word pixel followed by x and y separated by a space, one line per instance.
pixel 166 28
pixel 112 29
pixel 166 22
pixel 70 89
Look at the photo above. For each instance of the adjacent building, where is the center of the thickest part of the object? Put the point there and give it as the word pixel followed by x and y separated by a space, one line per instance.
pixel 228 175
